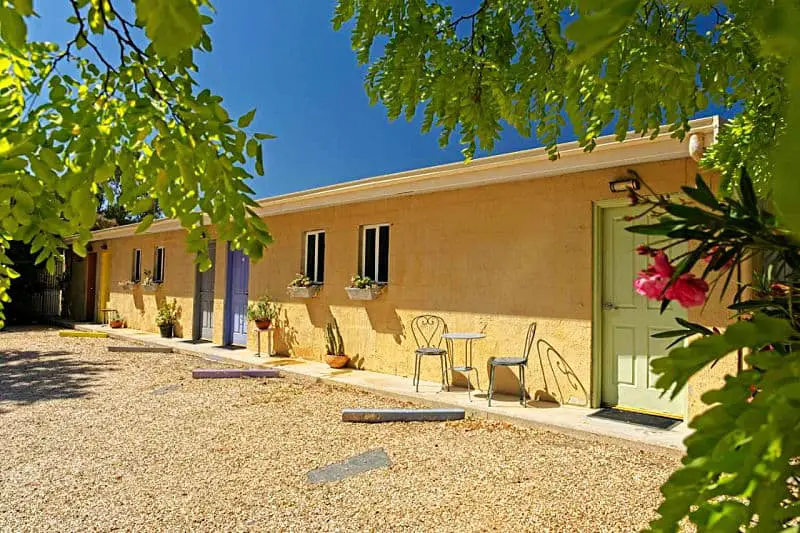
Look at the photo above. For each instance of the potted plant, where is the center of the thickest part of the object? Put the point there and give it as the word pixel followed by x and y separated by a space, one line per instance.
pixel 363 288
pixel 167 318
pixel 127 285
pixel 263 312
pixel 302 287
pixel 117 322
pixel 334 346
pixel 147 281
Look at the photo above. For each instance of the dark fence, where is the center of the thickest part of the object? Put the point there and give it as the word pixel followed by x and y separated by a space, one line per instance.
pixel 35 294
pixel 45 298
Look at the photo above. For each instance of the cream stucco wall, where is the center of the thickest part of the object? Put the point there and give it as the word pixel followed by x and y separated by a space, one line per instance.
pixel 139 307
pixel 490 259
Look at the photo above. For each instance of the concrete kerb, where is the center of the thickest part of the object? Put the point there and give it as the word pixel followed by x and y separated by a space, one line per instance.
pixel 470 412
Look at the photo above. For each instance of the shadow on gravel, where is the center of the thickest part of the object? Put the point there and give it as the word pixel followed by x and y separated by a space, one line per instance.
pixel 28 377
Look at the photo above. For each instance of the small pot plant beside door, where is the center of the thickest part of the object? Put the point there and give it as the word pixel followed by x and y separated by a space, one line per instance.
pixel 334 346
pixel 302 287
pixel 363 288
pixel 167 318
pixel 117 322
pixel 264 312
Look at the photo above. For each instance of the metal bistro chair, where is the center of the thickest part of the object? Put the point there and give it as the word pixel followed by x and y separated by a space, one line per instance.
pixel 520 362
pixel 427 331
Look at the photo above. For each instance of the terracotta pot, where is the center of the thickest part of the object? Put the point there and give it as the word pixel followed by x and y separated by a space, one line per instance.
pixel 337 361
pixel 263 324
pixel 116 324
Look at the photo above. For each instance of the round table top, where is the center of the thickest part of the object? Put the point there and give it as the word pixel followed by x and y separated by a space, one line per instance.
pixel 464 335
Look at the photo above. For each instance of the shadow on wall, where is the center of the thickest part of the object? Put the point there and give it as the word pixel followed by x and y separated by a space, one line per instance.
pixel 383 318
pixel 28 377
pixel 138 299
pixel 561 384
pixel 319 312
pixel 286 338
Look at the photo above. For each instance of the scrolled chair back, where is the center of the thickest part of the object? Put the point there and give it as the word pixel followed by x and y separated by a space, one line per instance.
pixel 428 330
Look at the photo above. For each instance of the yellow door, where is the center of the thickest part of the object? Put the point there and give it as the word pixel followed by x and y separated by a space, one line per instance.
pixel 628 323
pixel 104 290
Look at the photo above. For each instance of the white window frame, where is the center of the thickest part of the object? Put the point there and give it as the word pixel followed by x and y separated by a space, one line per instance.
pixel 136 275
pixel 159 277
pixel 316 232
pixel 377 228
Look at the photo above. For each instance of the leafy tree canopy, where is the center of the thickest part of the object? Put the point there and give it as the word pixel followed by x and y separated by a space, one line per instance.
pixel 70 114
pixel 471 67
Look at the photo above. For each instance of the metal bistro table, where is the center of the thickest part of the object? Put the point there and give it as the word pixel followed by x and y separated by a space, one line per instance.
pixel 467 367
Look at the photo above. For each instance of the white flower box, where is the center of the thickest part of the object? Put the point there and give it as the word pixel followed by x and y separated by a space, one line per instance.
pixel 303 292
pixel 368 293
pixel 150 287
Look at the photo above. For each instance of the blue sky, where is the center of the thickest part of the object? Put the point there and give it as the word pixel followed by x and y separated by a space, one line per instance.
pixel 285 59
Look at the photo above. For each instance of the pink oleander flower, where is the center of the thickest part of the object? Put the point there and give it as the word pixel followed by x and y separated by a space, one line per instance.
pixel 652 281
pixel 688 290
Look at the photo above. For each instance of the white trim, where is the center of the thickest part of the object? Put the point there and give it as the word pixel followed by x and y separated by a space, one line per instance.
pixel 377 228
pixel 523 165
pixel 316 233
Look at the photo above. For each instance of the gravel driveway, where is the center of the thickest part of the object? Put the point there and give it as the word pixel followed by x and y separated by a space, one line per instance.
pixel 88 445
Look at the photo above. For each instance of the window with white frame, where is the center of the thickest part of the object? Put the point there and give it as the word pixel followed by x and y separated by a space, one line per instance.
pixel 158 265
pixel 315 256
pixel 375 252
pixel 136 269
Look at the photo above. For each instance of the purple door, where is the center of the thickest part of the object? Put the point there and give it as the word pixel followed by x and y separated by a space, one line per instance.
pixel 236 298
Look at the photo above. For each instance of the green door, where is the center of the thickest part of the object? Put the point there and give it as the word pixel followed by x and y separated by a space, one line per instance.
pixel 628 321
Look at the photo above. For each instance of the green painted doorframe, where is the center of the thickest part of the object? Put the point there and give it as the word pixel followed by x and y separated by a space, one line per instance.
pixel 597 294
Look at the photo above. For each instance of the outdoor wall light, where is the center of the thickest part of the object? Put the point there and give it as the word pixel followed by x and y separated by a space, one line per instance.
pixel 624 185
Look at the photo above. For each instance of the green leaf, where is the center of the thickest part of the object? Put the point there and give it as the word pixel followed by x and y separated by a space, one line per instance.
pixel 260 161
pixel 144 225
pixel 595 31
pixel 246 119
pixel 747 193
pixel 669 334
pixel 701 193
pixel 682 363
pixel 692 214
pixel 172 25
pixel 264 136
pixel 12 27
pixel 659 228
pixel 252 147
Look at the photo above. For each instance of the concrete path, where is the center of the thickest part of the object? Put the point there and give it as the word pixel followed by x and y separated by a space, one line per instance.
pixel 507 408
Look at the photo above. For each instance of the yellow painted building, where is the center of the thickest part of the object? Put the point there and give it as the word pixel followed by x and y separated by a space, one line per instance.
pixel 489 246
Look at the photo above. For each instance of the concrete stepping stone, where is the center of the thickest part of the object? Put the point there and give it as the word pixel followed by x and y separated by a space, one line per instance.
pixel 357 464
pixel 140 349
pixel 401 415
pixel 166 388
pixel 207 373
